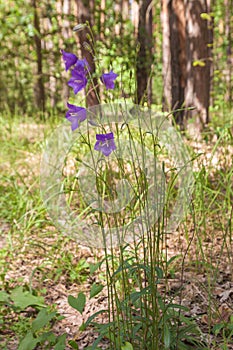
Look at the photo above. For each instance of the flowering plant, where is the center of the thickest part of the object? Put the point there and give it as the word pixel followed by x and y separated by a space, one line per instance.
pixel 121 200
pixel 78 81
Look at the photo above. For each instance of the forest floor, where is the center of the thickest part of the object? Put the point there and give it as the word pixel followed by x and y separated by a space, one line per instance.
pixel 33 253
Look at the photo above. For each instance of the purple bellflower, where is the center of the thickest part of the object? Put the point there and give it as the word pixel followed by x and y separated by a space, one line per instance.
pixel 82 66
pixel 78 80
pixel 75 115
pixel 108 79
pixel 105 143
pixel 69 58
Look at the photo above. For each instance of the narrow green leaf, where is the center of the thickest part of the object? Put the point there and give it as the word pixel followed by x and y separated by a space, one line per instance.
pixel 167 337
pixel 95 289
pixel 159 271
pixel 89 320
pixel 177 306
pixel 173 258
pixel 77 303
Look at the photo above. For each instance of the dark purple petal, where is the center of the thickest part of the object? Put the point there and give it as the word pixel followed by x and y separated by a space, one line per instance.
pixel 78 81
pixel 98 145
pixel 104 137
pixel 105 143
pixel 75 115
pixel 108 79
pixel 69 58
pixel 82 66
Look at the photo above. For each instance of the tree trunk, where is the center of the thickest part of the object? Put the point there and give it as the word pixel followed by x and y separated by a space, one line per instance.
pixel 167 83
pixel 150 28
pixel 39 91
pixel 187 54
pixel 85 14
pixel 144 59
pixel 134 10
pixel 178 58
pixel 199 54
pixel 229 34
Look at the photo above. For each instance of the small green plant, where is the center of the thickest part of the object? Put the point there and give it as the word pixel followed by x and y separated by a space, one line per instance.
pixel 225 330
pixel 136 323
pixel 32 331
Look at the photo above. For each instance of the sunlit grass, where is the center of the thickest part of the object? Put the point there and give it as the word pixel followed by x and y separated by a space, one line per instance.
pixel 204 240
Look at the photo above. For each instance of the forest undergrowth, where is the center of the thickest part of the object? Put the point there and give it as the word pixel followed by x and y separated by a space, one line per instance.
pixel 40 267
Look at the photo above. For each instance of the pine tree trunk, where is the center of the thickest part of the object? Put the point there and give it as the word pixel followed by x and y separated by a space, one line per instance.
pixel 39 91
pixel 187 55
pixel 199 54
pixel 144 59
pixel 174 58
pixel 167 84
pixel 85 14
pixel 229 36
pixel 178 58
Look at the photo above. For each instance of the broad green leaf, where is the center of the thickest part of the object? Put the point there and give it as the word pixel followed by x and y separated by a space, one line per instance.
pixel 28 342
pixel 49 337
pixel 95 289
pixel 127 346
pixel 94 267
pixel 4 297
pixel 23 299
pixel 73 344
pixel 61 342
pixel 77 303
pixel 217 328
pixel 42 319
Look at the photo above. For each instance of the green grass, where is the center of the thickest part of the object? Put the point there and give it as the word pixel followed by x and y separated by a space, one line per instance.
pixel 35 255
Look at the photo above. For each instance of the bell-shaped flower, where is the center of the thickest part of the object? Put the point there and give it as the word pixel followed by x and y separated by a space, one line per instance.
pixel 69 59
pixel 108 79
pixel 75 115
pixel 105 143
pixel 78 80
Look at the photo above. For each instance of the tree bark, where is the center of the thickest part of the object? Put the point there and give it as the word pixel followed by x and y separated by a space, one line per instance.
pixel 85 14
pixel 229 35
pixel 199 55
pixel 178 58
pixel 187 55
pixel 144 59
pixel 39 91
pixel 167 83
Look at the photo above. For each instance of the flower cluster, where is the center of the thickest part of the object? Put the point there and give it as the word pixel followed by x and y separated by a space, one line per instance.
pixel 78 81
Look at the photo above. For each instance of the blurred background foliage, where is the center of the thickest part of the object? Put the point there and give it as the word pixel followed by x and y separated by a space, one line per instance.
pixel 33 80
